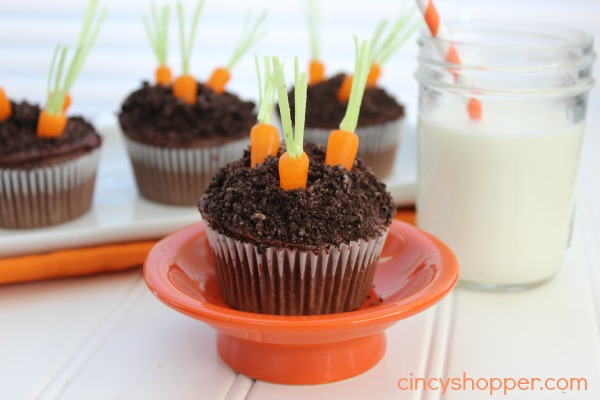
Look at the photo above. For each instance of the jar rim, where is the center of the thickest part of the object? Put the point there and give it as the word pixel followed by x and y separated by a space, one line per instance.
pixel 561 36
pixel 510 50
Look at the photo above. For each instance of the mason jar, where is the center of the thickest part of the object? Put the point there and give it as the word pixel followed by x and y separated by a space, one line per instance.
pixel 498 184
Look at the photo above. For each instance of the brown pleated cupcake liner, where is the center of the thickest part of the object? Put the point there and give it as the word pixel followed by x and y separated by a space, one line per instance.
pixel 44 196
pixel 179 176
pixel 287 281
pixel 377 147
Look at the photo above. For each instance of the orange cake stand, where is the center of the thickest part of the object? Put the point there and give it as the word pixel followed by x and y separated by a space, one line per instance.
pixel 415 271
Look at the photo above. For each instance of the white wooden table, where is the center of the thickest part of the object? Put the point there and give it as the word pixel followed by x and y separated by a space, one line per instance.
pixel 107 337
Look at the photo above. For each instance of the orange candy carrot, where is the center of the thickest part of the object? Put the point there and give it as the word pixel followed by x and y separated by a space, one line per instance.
pixel 185 88
pixel 342 147
pixel 52 119
pixel 316 72
pixel 66 101
pixel 264 137
pixel 294 163
pixel 157 28
pixel 343 93
pixel 251 34
pixel 51 125
pixel 293 172
pixel 264 142
pixel 342 144
pixel 163 75
pixel 5 106
pixel 404 27
pixel 374 74
pixel 316 68
pixel 218 80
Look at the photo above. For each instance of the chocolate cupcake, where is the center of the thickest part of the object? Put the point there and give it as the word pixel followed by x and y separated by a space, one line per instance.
pixel 45 181
pixel 176 148
pixel 379 128
pixel 299 252
pixel 298 232
pixel 179 132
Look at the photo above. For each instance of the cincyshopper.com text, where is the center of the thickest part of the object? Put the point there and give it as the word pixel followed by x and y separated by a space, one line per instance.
pixel 491 385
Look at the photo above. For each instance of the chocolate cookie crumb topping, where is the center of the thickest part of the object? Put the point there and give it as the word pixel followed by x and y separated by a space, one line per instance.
pixel 20 146
pixel 153 115
pixel 323 110
pixel 337 207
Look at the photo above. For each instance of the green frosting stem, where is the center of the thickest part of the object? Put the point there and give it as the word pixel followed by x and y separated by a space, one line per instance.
pixel 300 88
pixel 313 17
pixel 266 92
pixel 187 45
pixel 249 37
pixel 87 37
pixel 293 135
pixel 405 26
pixel 364 58
pixel 157 30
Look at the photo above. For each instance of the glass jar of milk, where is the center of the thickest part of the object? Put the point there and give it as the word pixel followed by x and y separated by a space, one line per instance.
pixel 500 190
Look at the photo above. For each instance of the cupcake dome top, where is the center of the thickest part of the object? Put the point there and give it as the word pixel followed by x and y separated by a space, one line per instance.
pixel 338 206
pixel 154 116
pixel 323 110
pixel 20 146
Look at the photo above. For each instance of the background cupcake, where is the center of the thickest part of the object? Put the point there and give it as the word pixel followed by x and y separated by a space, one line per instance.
pixel 48 161
pixel 45 181
pixel 180 132
pixel 381 116
pixel 379 127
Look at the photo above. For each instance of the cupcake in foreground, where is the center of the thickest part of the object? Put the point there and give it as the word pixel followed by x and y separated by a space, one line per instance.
pixel 48 161
pixel 180 132
pixel 300 231
pixel 381 117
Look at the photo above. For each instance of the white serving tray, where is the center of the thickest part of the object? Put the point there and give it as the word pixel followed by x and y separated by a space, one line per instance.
pixel 119 214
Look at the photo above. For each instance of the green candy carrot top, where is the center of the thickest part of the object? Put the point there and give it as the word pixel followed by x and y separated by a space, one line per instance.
pixel 250 35
pixel 52 119
pixel 342 144
pixel 405 26
pixel 264 137
pixel 402 30
pixel 157 28
pixel 185 86
pixel 293 164
pixel 316 68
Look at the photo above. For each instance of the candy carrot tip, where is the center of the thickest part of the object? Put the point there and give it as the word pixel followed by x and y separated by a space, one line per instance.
pixel 294 163
pixel 402 30
pixel 218 80
pixel 185 86
pixel 52 120
pixel 250 35
pixel 5 106
pixel 157 29
pixel 316 70
pixel 264 142
pixel 342 144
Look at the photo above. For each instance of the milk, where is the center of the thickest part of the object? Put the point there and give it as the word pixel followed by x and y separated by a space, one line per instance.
pixel 500 192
